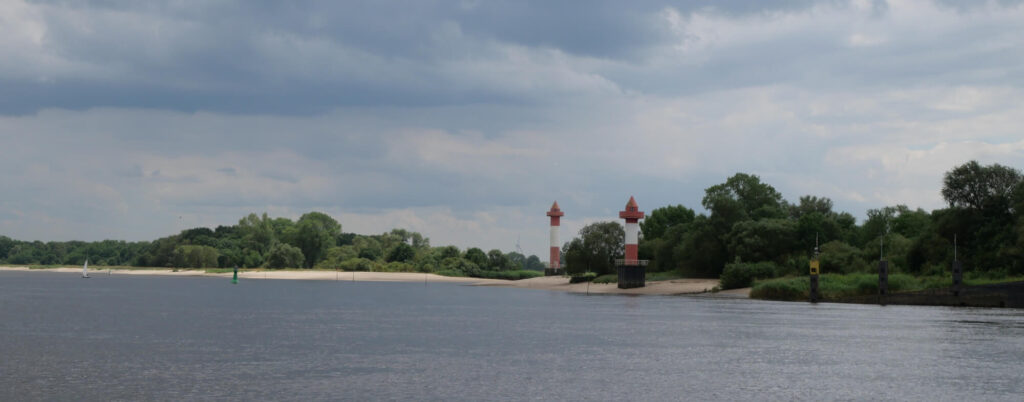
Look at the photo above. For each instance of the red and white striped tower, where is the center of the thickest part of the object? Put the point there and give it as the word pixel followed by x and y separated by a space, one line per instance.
pixel 555 213
pixel 632 215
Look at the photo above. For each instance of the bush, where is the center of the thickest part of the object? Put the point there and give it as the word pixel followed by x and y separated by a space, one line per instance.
pixel 283 255
pixel 510 275
pixel 607 278
pixel 742 275
pixel 583 277
pixel 394 266
pixel 357 264
pixel 780 289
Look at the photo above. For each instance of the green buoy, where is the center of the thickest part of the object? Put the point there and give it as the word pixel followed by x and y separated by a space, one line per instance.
pixel 234 280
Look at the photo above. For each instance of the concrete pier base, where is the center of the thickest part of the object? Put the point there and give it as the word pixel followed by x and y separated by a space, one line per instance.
pixel 554 272
pixel 632 276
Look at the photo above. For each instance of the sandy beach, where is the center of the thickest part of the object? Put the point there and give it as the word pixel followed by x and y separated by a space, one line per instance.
pixel 287 275
pixel 553 283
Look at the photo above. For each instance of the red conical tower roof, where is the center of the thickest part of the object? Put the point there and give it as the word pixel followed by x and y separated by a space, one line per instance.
pixel 632 211
pixel 555 211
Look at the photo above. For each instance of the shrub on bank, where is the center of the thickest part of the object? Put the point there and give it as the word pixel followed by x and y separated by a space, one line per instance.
pixel 836 286
pixel 607 278
pixel 742 274
pixel 510 275
pixel 583 277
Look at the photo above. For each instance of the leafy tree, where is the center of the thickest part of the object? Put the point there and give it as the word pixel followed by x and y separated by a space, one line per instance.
pixel 369 253
pixel 447 252
pixel 660 219
pixel 316 233
pixel 477 257
pixel 534 263
pixel 763 240
pixel 402 252
pixel 283 255
pixel 516 260
pixel 193 256
pixel 595 249
pixel 838 257
pixel 701 253
pixel 979 187
pixel 497 260
pixel 809 204
pixel 743 196
pixel 6 244
pixel 257 232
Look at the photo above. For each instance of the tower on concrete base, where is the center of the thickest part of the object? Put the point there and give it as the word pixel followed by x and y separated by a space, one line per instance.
pixel 632 271
pixel 555 262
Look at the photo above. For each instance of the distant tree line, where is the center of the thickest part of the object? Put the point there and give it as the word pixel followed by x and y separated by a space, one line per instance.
pixel 314 241
pixel 749 225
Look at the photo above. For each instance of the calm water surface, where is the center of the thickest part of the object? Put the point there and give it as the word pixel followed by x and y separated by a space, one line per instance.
pixel 165 338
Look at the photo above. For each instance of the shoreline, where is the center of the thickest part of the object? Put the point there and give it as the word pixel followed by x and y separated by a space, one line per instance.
pixel 552 283
pixel 663 288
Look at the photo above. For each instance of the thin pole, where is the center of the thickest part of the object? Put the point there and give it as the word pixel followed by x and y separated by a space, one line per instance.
pixel 881 248
pixel 954 246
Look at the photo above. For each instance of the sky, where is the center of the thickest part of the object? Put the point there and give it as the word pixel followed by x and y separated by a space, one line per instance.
pixel 465 120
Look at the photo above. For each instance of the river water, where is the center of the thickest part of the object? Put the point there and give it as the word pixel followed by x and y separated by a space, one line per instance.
pixel 198 338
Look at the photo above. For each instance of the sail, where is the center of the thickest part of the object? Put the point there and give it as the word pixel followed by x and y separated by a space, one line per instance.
pixel 85 269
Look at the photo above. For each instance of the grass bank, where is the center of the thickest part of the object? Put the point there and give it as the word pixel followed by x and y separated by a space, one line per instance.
pixel 837 286
pixel 651 277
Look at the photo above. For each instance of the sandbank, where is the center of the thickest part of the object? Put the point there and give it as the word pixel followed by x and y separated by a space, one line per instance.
pixel 283 274
pixel 553 283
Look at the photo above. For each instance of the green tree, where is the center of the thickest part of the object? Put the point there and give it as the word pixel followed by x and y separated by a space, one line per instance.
pixel 809 204
pixel 978 187
pixel 661 219
pixel 257 232
pixel 596 248
pixel 743 196
pixel 497 260
pixel 402 252
pixel 192 256
pixel 283 255
pixel 763 240
pixel 316 233
pixel 534 263
pixel 476 256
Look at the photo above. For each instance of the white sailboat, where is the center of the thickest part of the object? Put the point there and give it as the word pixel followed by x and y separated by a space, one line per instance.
pixel 85 269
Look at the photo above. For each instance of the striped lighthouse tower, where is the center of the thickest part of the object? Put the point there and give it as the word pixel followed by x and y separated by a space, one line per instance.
pixel 632 272
pixel 555 266
pixel 632 215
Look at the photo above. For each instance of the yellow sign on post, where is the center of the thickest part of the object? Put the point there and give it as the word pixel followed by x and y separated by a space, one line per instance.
pixel 814 267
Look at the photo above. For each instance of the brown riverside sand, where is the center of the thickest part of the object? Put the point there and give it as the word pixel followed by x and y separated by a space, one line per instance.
pixel 555 283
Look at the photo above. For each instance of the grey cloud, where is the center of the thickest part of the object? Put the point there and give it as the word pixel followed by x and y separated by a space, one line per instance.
pixel 214 56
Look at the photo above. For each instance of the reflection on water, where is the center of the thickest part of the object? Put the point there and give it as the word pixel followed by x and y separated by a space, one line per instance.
pixel 118 337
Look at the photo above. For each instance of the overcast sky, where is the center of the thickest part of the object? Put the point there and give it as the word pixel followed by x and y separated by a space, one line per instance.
pixel 464 120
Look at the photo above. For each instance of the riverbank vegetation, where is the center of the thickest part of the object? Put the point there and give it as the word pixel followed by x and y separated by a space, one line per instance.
pixel 314 241
pixel 750 233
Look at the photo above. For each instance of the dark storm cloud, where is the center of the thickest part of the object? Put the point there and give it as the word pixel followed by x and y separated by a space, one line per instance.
pixel 310 57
